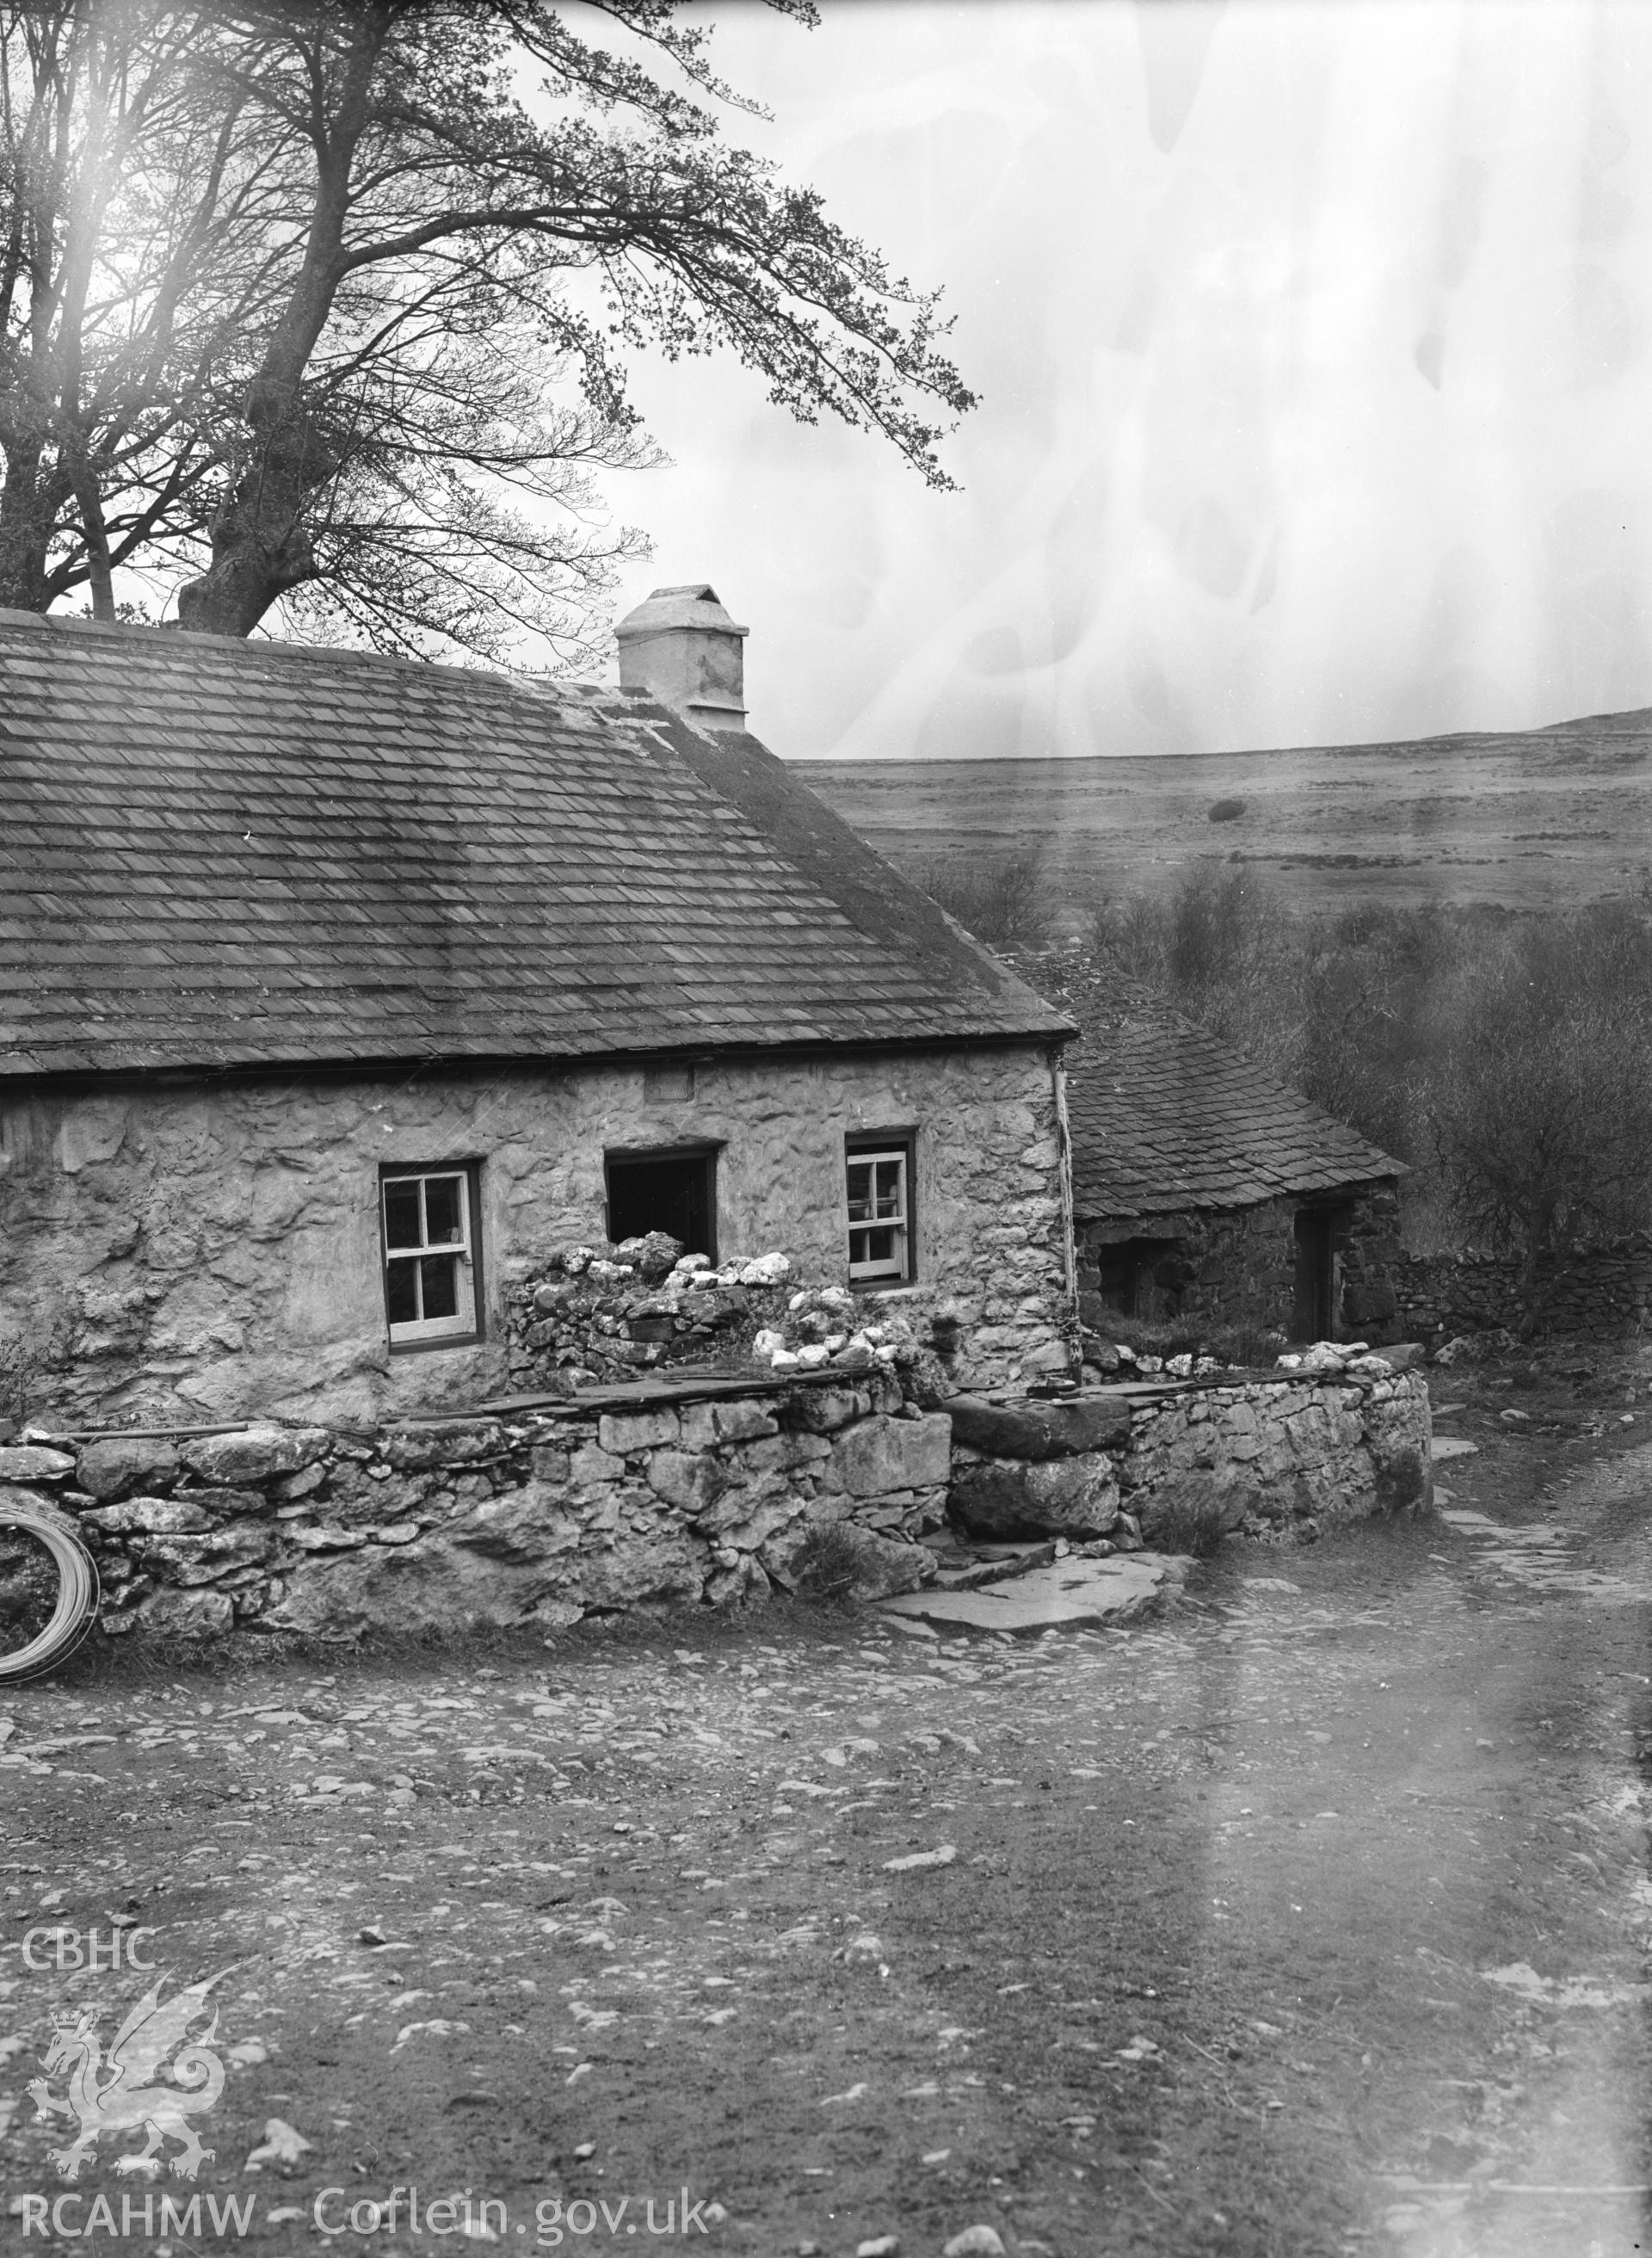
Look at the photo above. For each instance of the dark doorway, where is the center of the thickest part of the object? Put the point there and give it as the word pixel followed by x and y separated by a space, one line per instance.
pixel 674 1192
pixel 1316 1309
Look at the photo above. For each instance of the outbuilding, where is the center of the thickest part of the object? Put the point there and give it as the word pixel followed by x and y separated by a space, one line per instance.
pixel 1206 1191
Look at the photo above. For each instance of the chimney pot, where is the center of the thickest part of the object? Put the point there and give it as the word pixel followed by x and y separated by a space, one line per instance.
pixel 682 647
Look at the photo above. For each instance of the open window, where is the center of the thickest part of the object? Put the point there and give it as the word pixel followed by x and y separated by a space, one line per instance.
pixel 1142 1277
pixel 429 1221
pixel 1118 1270
pixel 671 1189
pixel 882 1237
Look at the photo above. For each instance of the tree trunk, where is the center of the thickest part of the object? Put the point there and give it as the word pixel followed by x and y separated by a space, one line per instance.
pixel 95 532
pixel 260 545
pixel 28 501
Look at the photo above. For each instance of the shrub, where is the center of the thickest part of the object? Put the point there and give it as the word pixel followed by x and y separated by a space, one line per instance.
pixel 1000 898
pixel 1225 811
pixel 1542 1111
pixel 1252 1346
pixel 1159 1336
pixel 826 1565
pixel 1187 1522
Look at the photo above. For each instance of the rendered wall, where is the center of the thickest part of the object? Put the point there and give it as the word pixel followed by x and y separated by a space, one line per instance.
pixel 181 1251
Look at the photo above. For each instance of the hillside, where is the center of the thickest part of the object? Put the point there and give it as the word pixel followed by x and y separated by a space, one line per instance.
pixel 1529 821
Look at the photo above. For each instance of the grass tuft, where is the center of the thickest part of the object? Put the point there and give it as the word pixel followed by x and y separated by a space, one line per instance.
pixel 1190 1524
pixel 827 1565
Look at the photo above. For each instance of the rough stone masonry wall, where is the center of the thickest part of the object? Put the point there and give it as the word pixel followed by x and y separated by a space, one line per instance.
pixel 1275 1454
pixel 543 1518
pixel 485 1522
pixel 1117 1467
pixel 1237 1265
pixel 1598 1293
pixel 203 1252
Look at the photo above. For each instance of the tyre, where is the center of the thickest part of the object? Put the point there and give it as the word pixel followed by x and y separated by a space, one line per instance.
pixel 49 1590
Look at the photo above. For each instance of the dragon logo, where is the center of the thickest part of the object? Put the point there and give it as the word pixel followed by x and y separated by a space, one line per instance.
pixel 115 2092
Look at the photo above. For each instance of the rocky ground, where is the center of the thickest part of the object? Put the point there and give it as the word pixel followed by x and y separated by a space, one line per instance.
pixel 1310 1919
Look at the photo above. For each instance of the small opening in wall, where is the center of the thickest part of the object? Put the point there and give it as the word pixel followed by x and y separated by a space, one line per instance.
pixel 674 1192
pixel 1141 1277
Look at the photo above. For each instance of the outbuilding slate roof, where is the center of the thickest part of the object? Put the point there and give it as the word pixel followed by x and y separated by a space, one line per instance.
pixel 1165 1117
pixel 221 854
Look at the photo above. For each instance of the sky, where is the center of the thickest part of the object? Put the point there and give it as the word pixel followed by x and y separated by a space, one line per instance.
pixel 1312 341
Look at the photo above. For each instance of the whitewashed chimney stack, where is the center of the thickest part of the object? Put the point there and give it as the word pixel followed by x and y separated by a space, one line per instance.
pixel 682 647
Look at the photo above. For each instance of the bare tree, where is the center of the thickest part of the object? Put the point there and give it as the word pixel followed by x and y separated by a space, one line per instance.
pixel 1004 899
pixel 101 319
pixel 1543 1113
pixel 330 291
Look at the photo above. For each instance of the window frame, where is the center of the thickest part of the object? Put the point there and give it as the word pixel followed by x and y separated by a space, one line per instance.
pixel 410 1336
pixel 883 1145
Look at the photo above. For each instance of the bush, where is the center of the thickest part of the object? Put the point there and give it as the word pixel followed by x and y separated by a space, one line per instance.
pixel 826 1565
pixel 1542 1111
pixel 1189 1523
pixel 1225 811
pixel 1159 1336
pixel 1000 898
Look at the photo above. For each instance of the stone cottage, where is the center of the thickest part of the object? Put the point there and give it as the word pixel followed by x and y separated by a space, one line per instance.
pixel 336 991
pixel 1204 1187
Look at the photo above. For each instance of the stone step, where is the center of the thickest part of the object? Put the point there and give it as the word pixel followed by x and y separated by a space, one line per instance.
pixel 965 1568
pixel 1114 1592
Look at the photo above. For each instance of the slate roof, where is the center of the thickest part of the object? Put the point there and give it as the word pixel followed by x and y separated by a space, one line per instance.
pixel 216 853
pixel 1165 1117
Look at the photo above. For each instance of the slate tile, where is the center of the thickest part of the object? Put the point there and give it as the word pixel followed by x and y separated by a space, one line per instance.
pixel 435 856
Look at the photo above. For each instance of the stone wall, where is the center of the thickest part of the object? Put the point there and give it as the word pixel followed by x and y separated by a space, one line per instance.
pixel 1237 1267
pixel 1119 1465
pixel 1599 1293
pixel 1274 1455
pixel 537 1519
pixel 696 1493
pixel 207 1250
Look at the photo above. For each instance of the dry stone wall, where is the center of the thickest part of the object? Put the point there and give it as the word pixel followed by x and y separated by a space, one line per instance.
pixel 201 1251
pixel 491 1521
pixel 606 1504
pixel 1276 1454
pixel 1112 1469
pixel 1594 1293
